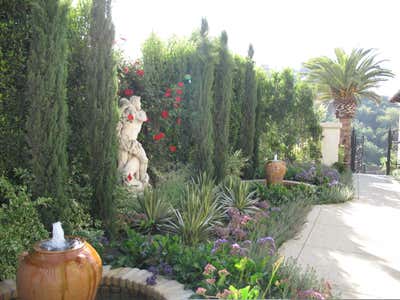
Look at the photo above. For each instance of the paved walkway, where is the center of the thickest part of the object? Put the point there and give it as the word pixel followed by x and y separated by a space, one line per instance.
pixel 355 245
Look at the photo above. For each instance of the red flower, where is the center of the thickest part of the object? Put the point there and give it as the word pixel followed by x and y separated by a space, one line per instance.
pixel 147 119
pixel 178 99
pixel 172 148
pixel 164 114
pixel 178 121
pixel 179 92
pixel 131 117
pixel 129 177
pixel 180 84
pixel 168 93
pixel 125 70
pixel 128 92
pixel 140 73
pixel 159 136
pixel 176 105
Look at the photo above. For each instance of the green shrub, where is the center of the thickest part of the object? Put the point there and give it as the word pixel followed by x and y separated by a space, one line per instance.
pixel 195 219
pixel 292 171
pixel 334 194
pixel 284 221
pixel 276 194
pixel 20 225
pixel 153 210
pixel 94 236
pixel 346 178
pixel 198 211
pixel 237 194
pixel 296 279
pixel 235 164
pixel 340 166
pixel 172 185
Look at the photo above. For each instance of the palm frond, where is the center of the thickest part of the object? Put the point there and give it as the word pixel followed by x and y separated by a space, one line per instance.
pixel 348 77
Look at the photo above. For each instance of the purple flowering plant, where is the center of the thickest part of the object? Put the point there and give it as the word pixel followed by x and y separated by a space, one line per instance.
pixel 318 175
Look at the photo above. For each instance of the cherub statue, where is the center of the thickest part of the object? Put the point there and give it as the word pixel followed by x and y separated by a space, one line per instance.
pixel 132 159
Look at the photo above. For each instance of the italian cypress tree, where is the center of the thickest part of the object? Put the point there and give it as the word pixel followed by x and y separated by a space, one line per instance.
pixel 102 113
pixel 249 105
pixel 222 105
pixel 46 124
pixel 201 103
pixel 78 33
pixel 260 116
pixel 236 115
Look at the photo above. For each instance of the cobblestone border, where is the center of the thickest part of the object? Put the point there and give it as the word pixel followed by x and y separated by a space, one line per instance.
pixel 130 278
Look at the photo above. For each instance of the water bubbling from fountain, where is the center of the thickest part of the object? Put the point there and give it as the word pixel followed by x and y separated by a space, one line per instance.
pixel 275 157
pixel 58 242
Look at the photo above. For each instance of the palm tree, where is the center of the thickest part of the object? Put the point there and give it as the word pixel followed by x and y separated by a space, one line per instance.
pixel 347 80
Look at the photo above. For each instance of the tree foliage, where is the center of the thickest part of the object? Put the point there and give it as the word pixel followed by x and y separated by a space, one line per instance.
pixel 101 97
pixel 222 106
pixel 347 80
pixel 202 102
pixel 46 124
pixel 14 51
pixel 249 105
pixel 78 38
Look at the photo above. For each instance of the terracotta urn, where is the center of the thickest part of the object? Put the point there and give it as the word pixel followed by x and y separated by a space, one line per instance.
pixel 72 274
pixel 275 171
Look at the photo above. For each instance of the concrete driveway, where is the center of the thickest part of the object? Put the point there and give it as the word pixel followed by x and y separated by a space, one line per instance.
pixel 355 245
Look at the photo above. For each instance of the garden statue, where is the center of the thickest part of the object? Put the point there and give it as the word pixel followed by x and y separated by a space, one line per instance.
pixel 132 159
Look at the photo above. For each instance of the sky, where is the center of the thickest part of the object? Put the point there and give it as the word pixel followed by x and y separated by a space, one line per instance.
pixel 284 33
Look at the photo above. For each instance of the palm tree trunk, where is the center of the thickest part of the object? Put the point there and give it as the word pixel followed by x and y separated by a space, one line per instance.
pixel 345 139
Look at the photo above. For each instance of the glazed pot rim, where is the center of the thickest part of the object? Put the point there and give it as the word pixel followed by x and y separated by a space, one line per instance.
pixel 37 247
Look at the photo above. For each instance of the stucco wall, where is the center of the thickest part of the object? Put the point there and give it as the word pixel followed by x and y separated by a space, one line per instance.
pixel 330 142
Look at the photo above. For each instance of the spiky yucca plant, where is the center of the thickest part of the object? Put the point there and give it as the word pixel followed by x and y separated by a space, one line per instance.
pixel 156 211
pixel 237 194
pixel 198 211
pixel 347 79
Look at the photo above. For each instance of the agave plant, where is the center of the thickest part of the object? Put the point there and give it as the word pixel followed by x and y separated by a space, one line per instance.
pixel 198 211
pixel 153 210
pixel 236 194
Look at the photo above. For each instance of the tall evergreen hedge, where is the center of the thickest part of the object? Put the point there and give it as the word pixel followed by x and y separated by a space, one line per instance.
pixel 249 104
pixel 78 37
pixel 102 111
pixel 46 125
pixel 222 106
pixel 202 102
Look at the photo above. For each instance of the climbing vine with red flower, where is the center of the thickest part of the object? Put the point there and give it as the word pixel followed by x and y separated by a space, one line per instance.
pixel 163 104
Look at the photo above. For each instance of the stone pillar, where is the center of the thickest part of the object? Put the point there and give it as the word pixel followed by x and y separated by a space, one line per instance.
pixel 330 142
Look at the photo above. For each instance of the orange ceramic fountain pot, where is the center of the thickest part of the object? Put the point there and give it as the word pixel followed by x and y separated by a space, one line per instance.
pixel 72 274
pixel 275 171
